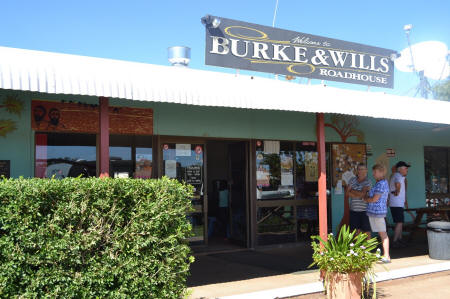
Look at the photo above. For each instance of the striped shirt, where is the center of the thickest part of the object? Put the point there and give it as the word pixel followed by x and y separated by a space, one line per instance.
pixel 357 204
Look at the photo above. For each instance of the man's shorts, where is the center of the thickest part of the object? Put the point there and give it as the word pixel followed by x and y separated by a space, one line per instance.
pixel 359 220
pixel 377 224
pixel 397 214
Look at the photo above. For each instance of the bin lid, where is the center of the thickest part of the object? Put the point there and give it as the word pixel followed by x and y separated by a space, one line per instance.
pixel 445 225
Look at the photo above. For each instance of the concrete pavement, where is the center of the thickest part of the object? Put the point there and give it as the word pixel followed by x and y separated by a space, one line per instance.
pixel 426 286
pixel 304 282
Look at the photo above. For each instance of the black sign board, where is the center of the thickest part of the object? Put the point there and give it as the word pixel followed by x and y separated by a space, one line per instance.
pixel 241 45
pixel 5 168
pixel 194 174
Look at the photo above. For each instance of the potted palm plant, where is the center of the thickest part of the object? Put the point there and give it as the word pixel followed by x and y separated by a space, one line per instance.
pixel 346 262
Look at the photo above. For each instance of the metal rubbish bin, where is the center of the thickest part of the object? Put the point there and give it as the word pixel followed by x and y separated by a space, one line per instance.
pixel 438 233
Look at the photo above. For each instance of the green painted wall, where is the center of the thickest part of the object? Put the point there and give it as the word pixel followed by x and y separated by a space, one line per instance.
pixel 18 146
pixel 407 138
pixel 15 146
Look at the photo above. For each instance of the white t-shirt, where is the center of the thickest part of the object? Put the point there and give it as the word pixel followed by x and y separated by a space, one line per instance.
pixel 399 200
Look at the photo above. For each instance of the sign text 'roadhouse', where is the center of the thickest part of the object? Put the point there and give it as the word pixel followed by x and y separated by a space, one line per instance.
pixel 241 45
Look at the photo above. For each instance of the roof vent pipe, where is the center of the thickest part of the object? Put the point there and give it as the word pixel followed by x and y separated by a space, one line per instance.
pixel 179 56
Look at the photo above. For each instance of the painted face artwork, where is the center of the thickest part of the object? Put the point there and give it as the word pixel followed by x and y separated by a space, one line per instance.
pixel 39 113
pixel 54 116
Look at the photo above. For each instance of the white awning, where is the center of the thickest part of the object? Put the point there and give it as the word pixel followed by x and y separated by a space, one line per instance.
pixel 56 73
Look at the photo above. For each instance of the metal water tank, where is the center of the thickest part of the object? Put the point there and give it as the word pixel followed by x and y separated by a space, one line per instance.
pixel 179 55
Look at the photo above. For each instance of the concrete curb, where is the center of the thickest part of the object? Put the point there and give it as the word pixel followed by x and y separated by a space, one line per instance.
pixel 316 287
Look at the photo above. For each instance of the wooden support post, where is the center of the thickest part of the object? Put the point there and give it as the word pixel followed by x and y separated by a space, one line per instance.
pixel 323 226
pixel 104 137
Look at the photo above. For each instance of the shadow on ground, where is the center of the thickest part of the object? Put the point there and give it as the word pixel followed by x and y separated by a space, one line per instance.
pixel 226 267
pixel 248 264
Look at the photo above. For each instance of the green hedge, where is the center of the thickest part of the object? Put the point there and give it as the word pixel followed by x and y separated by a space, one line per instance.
pixel 94 238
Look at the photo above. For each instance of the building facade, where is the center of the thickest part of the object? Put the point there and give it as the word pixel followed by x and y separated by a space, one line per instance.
pixel 254 171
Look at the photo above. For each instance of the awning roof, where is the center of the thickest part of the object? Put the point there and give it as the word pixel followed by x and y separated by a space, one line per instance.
pixel 56 73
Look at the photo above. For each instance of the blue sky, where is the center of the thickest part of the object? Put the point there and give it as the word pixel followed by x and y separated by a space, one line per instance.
pixel 142 30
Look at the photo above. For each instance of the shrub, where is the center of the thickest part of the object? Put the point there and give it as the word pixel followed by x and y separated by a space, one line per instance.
pixel 94 238
pixel 348 253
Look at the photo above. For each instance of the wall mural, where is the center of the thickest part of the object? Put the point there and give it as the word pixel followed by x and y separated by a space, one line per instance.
pixel 63 116
pixel 346 127
pixel 12 105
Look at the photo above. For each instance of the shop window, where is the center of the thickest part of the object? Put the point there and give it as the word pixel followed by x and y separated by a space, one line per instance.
pixel 61 155
pixel 437 169
pixel 276 225
pixel 130 156
pixel 274 170
pixel 306 187
pixel 287 191
pixel 184 162
pixel 307 170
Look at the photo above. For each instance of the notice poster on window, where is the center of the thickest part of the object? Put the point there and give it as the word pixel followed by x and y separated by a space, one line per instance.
pixel 170 168
pixel 263 176
pixel 193 174
pixel 287 170
pixel 287 179
pixel 271 147
pixel 183 150
pixel 311 167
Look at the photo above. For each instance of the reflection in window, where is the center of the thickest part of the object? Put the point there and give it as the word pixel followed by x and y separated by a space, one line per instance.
pixel 143 169
pixel 306 172
pixel 61 155
pixel 306 188
pixel 437 168
pixel 274 170
pixel 130 156
pixel 275 225
pixel 185 163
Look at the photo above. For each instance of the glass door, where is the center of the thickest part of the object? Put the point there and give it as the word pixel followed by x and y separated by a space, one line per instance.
pixel 185 162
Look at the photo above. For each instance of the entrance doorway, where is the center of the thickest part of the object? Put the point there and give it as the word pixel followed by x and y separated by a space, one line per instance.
pixel 227 182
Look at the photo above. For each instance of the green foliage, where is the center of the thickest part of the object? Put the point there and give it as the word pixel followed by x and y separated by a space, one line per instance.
pixel 94 238
pixel 441 90
pixel 347 254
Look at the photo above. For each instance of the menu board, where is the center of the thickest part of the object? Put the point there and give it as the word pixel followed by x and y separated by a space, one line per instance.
pixel 311 167
pixel 346 158
pixel 287 169
pixel 263 175
pixel 5 168
pixel 194 174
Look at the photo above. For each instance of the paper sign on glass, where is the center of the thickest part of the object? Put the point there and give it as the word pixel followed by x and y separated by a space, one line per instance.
pixel 287 179
pixel 183 150
pixel 171 168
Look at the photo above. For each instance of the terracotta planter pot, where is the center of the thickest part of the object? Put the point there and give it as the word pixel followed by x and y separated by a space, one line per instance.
pixel 344 286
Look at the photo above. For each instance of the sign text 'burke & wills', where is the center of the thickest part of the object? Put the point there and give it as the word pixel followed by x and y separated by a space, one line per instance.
pixel 254 47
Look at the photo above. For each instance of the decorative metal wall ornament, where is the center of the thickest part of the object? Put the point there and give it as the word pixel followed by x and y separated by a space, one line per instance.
pixel 7 126
pixel 13 105
pixel 346 127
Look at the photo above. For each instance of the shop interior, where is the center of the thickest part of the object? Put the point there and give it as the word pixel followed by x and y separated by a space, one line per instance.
pixel 227 194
